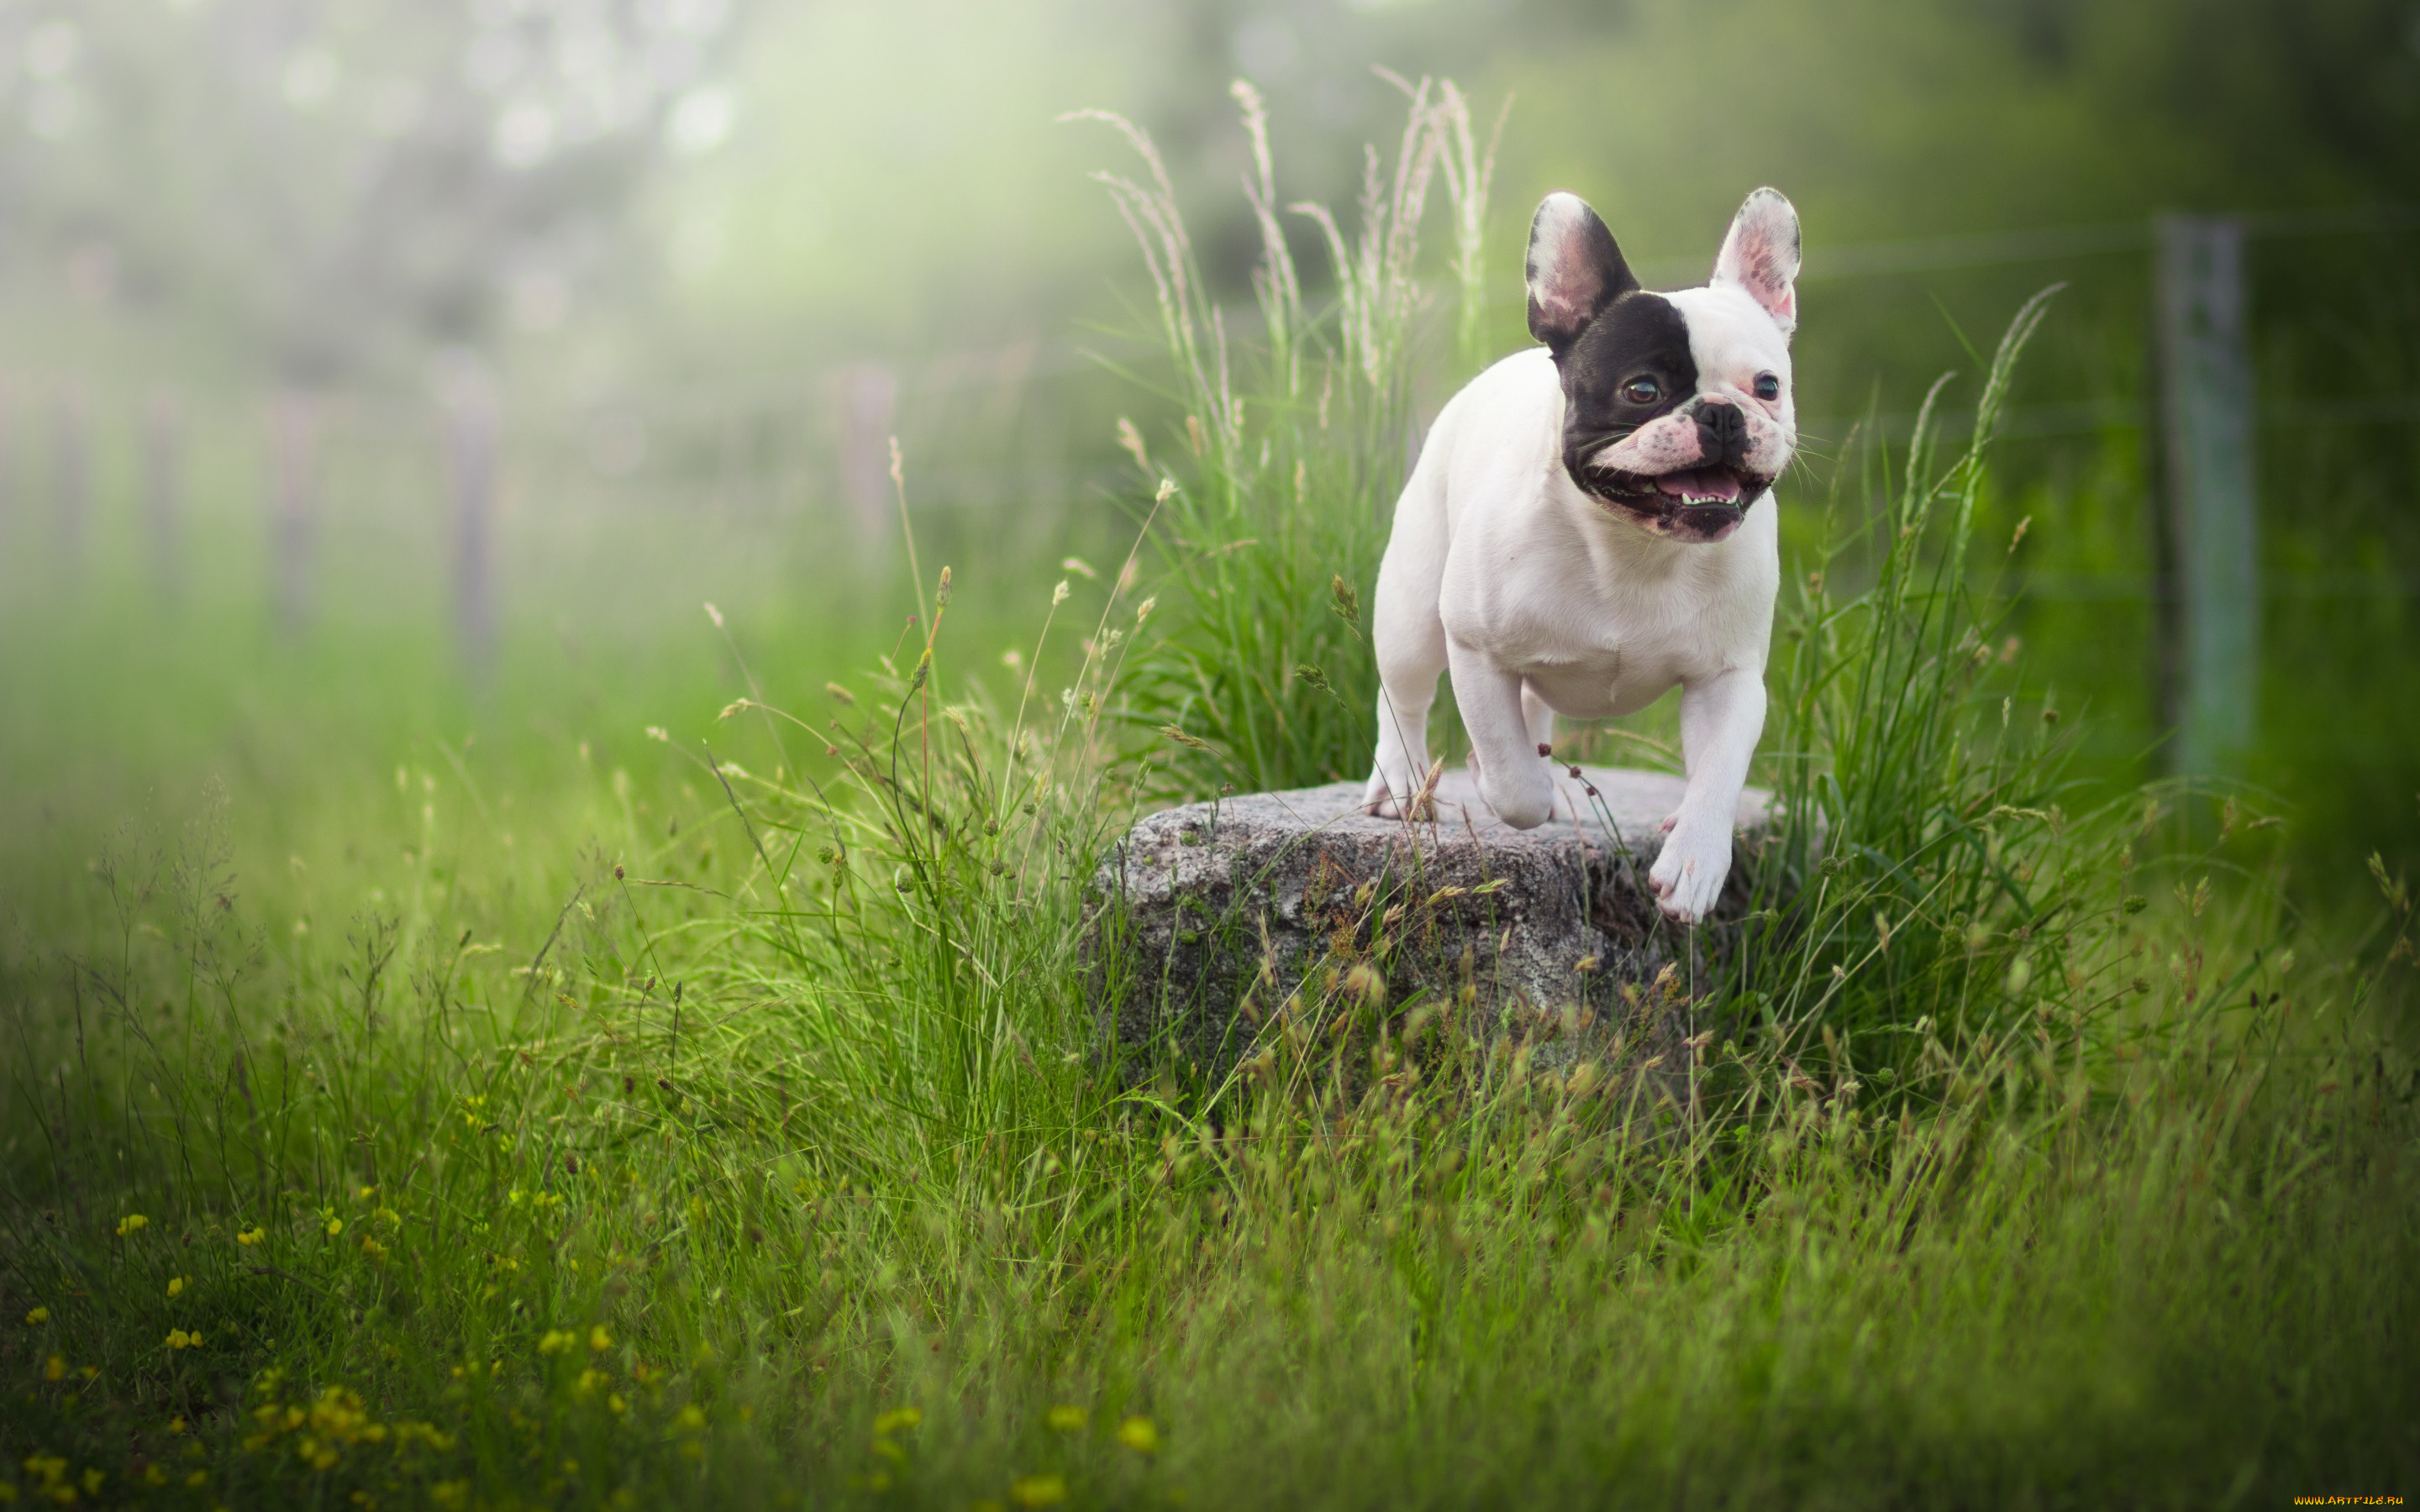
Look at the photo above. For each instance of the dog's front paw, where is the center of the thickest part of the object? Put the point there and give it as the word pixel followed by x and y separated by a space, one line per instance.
pixel 1522 797
pixel 1688 877
pixel 1397 795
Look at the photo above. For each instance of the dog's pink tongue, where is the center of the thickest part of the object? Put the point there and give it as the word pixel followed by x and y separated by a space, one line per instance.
pixel 1708 483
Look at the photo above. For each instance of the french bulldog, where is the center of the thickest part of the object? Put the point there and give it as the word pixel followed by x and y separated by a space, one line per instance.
pixel 1591 521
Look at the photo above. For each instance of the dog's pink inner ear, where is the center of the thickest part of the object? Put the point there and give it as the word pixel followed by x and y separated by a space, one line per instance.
pixel 1575 270
pixel 1761 255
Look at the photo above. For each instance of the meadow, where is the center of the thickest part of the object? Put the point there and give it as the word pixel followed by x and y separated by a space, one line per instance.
pixel 686 1090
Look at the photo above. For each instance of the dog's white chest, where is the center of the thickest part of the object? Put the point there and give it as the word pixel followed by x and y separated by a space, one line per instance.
pixel 1604 632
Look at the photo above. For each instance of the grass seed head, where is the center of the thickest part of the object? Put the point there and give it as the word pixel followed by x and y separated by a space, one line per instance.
pixel 1130 441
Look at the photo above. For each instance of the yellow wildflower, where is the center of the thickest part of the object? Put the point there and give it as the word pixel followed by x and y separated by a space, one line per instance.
pixel 37 1318
pixel 176 1285
pixel 557 1340
pixel 53 1367
pixel 1137 1433
pixel 1065 1419
pixel 252 1237
pixel 336 1227
pixel 180 1339
pixel 1038 1490
pixel 599 1340
pixel 372 1248
pixel 614 1403
pixel 130 1224
pixel 691 1417
pixel 898 1418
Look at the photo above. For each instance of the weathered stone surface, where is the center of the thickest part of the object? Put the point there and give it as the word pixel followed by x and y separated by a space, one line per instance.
pixel 1258 894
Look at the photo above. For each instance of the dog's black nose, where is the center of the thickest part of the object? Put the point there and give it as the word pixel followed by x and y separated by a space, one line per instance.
pixel 1722 434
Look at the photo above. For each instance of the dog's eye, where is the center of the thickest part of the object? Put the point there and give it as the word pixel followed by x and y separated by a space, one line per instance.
pixel 1768 386
pixel 1642 391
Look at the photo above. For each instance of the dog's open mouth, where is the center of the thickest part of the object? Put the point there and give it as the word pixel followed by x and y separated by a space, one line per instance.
pixel 1702 503
pixel 1701 485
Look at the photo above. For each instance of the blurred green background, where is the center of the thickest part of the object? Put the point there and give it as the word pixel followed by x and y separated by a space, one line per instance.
pixel 383 375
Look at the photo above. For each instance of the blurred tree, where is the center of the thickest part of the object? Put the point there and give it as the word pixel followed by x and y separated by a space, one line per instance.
pixel 2286 104
pixel 333 187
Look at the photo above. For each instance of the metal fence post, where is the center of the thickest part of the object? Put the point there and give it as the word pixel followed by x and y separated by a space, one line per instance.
pixel 2209 513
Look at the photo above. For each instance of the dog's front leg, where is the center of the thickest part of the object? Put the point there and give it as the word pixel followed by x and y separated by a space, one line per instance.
pixel 1511 776
pixel 1720 721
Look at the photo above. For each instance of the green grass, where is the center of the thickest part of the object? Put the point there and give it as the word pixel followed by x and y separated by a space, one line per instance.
pixel 572 1117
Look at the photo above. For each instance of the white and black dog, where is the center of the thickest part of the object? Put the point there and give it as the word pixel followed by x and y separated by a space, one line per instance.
pixel 1582 532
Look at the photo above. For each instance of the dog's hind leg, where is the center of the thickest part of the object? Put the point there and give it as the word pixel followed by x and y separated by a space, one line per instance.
pixel 1409 637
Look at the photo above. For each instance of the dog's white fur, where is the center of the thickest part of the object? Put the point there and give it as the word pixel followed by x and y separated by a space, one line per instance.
pixel 1542 600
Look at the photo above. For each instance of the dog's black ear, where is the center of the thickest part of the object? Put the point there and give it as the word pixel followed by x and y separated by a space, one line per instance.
pixel 1575 270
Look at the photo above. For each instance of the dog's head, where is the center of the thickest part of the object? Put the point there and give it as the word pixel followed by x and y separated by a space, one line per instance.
pixel 1678 412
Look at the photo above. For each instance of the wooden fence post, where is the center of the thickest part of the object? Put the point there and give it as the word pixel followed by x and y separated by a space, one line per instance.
pixel 869 418
pixel 71 474
pixel 13 524
pixel 294 504
pixel 471 437
pixel 2212 660
pixel 164 493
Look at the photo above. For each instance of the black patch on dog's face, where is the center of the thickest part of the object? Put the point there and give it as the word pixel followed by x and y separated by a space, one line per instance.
pixel 1640 339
